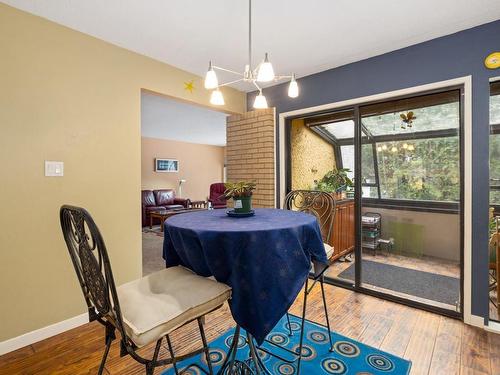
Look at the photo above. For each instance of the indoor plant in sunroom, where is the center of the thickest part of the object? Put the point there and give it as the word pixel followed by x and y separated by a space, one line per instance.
pixel 335 181
pixel 241 192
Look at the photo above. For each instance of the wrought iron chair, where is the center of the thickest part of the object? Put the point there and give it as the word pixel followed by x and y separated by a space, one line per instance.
pixel 322 205
pixel 147 313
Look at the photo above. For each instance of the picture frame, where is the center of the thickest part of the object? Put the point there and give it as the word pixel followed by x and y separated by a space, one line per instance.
pixel 166 165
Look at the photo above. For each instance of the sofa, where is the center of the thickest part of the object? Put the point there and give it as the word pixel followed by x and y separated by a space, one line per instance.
pixel 216 195
pixel 160 199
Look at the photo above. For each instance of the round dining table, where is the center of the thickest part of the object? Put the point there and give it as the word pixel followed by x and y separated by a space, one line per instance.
pixel 264 258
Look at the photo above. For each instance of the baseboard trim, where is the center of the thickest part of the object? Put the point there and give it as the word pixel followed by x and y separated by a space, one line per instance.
pixel 42 333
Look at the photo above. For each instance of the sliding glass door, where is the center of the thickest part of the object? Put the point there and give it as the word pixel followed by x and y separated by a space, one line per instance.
pixel 397 231
pixel 410 219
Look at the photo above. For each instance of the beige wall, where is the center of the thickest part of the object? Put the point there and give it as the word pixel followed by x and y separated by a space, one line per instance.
pixel 70 97
pixel 250 153
pixel 311 156
pixel 199 164
pixel 435 234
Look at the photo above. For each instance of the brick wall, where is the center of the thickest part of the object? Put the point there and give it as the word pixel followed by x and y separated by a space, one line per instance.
pixel 250 153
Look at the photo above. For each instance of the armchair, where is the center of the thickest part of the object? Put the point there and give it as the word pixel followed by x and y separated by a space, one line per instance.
pixel 216 195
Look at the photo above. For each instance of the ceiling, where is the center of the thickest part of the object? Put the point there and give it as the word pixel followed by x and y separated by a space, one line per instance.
pixel 304 37
pixel 171 119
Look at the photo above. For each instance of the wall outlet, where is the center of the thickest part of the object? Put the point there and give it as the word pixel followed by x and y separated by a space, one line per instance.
pixel 54 168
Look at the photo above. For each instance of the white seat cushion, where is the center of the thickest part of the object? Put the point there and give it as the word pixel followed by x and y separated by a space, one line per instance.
pixel 329 250
pixel 165 300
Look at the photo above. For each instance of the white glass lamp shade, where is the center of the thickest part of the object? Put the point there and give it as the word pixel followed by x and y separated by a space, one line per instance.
pixel 217 98
pixel 211 81
pixel 260 101
pixel 411 147
pixel 266 71
pixel 293 88
pixel 394 149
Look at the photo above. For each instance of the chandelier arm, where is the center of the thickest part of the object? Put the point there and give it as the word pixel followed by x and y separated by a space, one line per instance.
pixel 230 83
pixel 227 70
pixel 256 85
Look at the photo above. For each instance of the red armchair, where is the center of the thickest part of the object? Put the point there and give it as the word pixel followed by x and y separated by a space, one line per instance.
pixel 216 196
pixel 160 199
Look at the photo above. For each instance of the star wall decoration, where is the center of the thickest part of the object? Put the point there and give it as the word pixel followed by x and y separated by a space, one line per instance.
pixel 189 86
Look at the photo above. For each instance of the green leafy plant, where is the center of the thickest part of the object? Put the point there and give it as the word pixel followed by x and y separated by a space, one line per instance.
pixel 239 189
pixel 335 181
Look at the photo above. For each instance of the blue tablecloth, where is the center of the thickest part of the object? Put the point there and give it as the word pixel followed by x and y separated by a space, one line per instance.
pixel 265 258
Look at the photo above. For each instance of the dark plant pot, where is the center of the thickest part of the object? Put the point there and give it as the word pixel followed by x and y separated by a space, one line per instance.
pixel 242 205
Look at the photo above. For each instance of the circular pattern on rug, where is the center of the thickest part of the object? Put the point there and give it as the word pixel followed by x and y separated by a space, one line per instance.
pixel 264 357
pixel 380 362
pixel 242 342
pixel 192 371
pixel 294 326
pixel 284 369
pixel 333 366
pixel 317 337
pixel 308 352
pixel 346 348
pixel 278 338
pixel 217 356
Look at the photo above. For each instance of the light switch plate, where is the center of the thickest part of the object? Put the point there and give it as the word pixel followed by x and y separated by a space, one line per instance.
pixel 54 168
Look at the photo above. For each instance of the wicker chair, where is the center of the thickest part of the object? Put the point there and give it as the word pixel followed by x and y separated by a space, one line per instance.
pixel 143 311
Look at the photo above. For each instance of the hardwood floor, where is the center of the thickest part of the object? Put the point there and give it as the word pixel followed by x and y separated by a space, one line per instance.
pixel 435 344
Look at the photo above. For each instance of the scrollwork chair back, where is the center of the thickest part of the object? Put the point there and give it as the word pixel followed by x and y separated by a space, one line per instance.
pixel 318 203
pixel 91 262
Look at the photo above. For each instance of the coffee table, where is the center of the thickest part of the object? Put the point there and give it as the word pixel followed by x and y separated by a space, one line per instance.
pixel 163 215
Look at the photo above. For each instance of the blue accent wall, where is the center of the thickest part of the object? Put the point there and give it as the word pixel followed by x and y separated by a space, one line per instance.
pixel 440 59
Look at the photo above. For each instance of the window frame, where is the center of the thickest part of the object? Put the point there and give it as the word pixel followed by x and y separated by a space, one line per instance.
pixel 393 203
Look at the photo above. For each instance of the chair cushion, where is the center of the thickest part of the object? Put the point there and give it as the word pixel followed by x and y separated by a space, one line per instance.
pixel 165 300
pixel 329 250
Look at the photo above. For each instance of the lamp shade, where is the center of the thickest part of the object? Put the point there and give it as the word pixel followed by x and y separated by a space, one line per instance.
pixel 211 81
pixel 293 88
pixel 260 101
pixel 266 71
pixel 217 98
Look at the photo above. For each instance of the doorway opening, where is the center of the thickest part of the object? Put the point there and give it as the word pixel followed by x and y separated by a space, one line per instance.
pixel 182 155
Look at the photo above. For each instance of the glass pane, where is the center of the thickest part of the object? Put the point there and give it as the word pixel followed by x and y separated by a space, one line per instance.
pixel 369 191
pixel 367 165
pixel 495 109
pixel 422 169
pixel 348 159
pixel 429 113
pixel 341 129
pixel 419 161
pixel 495 197
pixel 495 159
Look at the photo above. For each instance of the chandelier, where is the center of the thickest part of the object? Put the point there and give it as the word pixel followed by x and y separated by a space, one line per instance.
pixel 264 72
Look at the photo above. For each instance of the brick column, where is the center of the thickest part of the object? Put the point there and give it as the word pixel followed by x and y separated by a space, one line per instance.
pixel 250 153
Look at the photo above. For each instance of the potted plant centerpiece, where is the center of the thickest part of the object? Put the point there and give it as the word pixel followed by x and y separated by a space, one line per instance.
pixel 241 192
pixel 335 181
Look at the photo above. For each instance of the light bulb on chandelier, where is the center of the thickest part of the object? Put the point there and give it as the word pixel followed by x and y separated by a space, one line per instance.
pixel 260 101
pixel 217 98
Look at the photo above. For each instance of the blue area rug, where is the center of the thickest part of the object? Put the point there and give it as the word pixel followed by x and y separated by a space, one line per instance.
pixel 349 356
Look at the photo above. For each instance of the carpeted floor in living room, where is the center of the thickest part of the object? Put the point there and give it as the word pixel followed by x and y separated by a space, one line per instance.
pixel 152 247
